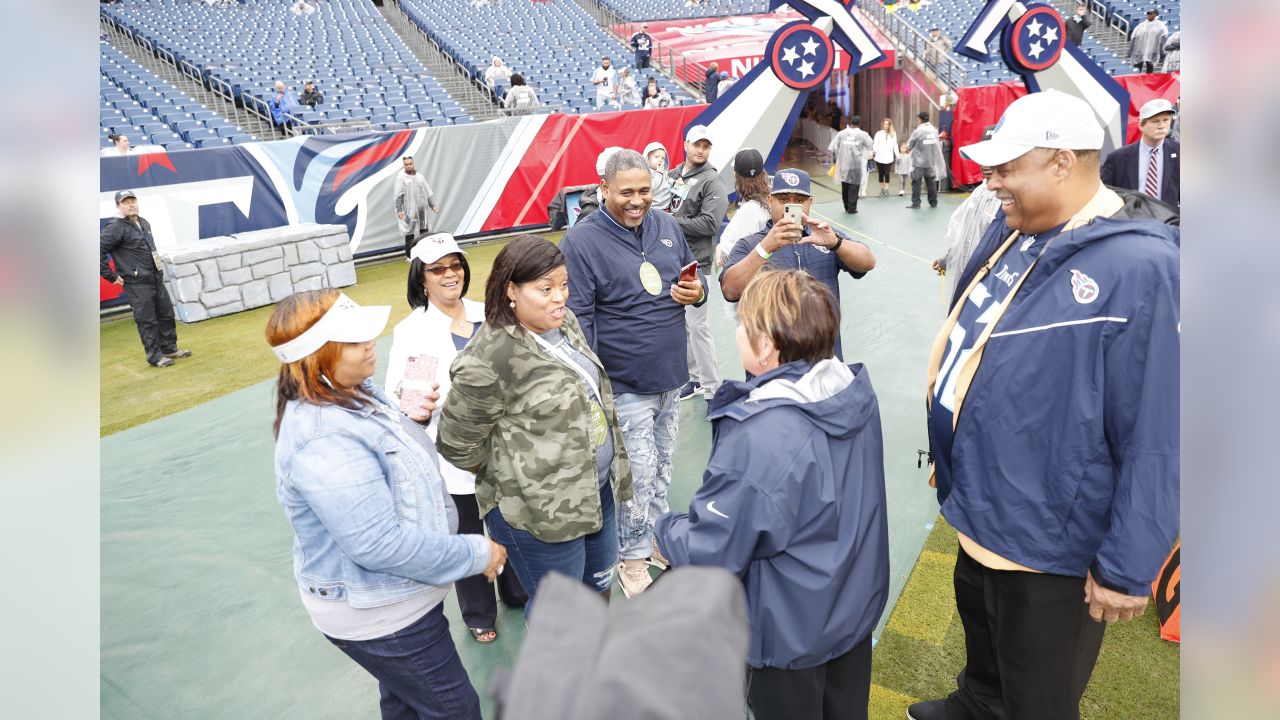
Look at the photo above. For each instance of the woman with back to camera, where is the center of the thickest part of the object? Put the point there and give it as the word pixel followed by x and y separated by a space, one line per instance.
pixel 425 343
pixel 884 150
pixel 531 412
pixel 793 501
pixel 374 547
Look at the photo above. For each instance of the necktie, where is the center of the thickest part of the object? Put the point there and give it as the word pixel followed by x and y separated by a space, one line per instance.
pixel 1152 179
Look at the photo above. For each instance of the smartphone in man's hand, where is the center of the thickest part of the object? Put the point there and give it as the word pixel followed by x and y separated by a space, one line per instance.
pixel 689 272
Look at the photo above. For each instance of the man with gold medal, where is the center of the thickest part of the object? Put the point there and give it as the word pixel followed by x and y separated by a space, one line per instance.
pixel 624 267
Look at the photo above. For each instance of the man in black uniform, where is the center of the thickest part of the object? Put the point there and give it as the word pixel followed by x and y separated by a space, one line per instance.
pixel 128 241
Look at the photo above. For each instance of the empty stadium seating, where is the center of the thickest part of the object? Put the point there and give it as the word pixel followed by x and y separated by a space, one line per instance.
pixel 554 44
pixel 363 68
pixel 151 111
pixel 679 9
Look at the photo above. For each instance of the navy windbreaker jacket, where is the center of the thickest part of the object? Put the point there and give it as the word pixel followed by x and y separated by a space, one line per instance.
pixel 1066 455
pixel 793 501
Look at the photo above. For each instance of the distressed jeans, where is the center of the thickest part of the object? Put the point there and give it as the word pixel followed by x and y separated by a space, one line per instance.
pixel 648 424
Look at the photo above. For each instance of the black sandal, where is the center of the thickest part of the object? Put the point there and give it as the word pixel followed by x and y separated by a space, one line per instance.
pixel 478 634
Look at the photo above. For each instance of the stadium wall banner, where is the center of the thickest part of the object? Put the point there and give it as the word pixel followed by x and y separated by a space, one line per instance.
pixel 979 107
pixel 736 43
pixel 486 177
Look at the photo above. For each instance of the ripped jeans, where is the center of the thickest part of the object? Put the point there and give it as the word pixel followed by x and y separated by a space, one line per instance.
pixel 648 424
pixel 590 558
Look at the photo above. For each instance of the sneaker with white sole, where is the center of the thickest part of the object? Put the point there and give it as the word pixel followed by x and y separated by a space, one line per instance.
pixel 634 580
pixel 689 390
pixel 656 558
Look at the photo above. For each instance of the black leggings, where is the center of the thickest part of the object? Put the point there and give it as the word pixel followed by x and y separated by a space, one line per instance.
pixel 884 169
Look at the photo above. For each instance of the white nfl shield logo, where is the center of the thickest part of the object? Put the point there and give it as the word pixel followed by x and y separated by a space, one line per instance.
pixel 666 242
pixel 791 179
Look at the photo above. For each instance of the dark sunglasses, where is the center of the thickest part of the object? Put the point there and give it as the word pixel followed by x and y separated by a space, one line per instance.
pixel 440 270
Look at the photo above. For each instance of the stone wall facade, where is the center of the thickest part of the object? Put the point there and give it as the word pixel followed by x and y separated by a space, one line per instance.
pixel 251 269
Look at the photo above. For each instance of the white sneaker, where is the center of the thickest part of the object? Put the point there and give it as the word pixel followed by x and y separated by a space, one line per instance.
pixel 634 580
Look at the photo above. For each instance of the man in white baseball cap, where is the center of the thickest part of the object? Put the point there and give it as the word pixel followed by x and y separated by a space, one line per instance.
pixel 699 201
pixel 1151 165
pixel 1061 347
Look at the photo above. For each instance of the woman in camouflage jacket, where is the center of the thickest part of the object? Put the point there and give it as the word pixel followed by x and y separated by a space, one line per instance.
pixel 531 412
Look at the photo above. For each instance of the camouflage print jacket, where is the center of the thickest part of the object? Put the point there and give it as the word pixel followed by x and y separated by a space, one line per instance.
pixel 525 419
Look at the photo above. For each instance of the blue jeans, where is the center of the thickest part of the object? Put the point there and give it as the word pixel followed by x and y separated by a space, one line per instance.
pixel 590 558
pixel 648 424
pixel 418 670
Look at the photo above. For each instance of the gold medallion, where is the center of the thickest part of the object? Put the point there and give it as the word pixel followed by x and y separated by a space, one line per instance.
pixel 650 278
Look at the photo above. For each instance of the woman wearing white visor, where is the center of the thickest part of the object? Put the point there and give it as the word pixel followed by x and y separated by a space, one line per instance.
pixel 374 546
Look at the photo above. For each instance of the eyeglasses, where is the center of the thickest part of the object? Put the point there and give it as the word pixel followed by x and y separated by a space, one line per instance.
pixel 440 270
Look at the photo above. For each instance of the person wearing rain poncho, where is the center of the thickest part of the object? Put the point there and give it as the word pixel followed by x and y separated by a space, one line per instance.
pixel 850 149
pixel 1147 42
pixel 927 163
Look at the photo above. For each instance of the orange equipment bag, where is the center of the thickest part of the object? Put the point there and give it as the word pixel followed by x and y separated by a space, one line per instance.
pixel 1168 603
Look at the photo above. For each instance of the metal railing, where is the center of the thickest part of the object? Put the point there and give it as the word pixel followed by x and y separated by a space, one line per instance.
pixel 686 74
pixel 918 48
pixel 482 101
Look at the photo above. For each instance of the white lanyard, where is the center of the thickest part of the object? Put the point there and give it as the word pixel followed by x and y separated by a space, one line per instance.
pixel 564 359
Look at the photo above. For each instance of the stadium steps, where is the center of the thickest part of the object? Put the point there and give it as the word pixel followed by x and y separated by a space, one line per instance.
pixel 607 19
pixel 453 77
pixel 251 122
pixel 1109 37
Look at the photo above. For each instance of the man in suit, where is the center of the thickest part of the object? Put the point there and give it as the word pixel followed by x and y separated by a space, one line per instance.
pixel 1151 165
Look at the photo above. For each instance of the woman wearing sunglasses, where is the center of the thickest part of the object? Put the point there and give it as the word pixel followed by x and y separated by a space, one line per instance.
pixel 424 346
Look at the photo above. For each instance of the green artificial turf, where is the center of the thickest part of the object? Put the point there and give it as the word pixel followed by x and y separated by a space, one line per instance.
pixel 230 352
pixel 922 649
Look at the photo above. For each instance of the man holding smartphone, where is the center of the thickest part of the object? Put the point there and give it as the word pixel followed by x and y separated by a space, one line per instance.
pixel 791 240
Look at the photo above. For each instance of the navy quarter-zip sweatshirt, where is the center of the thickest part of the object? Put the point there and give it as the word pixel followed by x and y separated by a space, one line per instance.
pixel 640 338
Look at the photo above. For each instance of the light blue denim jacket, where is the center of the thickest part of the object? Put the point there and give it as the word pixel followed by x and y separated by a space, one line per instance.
pixel 371 519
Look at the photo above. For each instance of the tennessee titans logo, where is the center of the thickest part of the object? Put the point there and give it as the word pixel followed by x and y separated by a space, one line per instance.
pixel 791 179
pixel 1035 40
pixel 801 55
pixel 1084 288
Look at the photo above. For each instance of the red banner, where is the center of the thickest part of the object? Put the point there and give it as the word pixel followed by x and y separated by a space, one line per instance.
pixel 736 43
pixel 979 107
pixel 564 153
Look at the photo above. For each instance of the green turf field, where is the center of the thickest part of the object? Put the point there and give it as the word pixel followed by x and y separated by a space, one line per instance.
pixel 922 649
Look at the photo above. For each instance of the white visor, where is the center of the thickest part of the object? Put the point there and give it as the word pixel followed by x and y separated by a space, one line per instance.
pixel 344 322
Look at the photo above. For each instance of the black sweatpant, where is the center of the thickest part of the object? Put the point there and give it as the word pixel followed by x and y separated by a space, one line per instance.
pixel 475 594
pixel 153 314
pixel 931 183
pixel 838 688
pixel 849 194
pixel 1030 643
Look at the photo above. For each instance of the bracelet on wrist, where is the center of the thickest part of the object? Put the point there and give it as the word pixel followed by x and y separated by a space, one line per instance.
pixel 762 252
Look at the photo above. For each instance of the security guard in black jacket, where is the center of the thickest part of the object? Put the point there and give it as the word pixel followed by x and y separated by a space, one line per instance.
pixel 127 240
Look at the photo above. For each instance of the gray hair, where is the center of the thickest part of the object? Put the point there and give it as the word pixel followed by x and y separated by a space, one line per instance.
pixel 622 161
